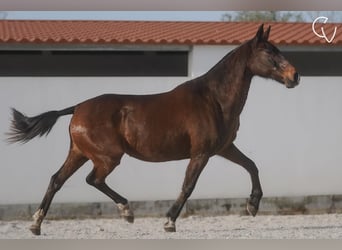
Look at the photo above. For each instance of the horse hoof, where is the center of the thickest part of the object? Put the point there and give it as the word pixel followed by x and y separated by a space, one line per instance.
pixel 170 227
pixel 126 213
pixel 35 229
pixel 252 210
pixel 129 218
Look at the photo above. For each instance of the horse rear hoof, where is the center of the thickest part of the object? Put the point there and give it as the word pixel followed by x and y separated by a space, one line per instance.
pixel 170 227
pixel 126 213
pixel 129 218
pixel 35 230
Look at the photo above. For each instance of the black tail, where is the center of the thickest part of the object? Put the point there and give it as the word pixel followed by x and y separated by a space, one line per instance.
pixel 25 128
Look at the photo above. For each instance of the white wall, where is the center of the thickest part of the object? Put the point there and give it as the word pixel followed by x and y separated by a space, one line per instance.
pixel 294 136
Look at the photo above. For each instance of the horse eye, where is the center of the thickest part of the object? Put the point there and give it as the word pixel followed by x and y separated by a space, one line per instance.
pixel 273 62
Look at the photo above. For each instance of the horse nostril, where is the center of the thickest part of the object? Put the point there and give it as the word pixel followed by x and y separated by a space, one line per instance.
pixel 296 77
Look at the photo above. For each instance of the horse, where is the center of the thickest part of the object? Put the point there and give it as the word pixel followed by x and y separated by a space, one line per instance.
pixel 196 120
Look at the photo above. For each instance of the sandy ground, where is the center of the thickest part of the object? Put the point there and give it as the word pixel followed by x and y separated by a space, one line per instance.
pixel 193 227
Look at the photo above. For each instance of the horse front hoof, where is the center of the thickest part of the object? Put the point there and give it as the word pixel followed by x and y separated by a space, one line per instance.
pixel 129 218
pixel 35 229
pixel 170 226
pixel 253 202
pixel 252 210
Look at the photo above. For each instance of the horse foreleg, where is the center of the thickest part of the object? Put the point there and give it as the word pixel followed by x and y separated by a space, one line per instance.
pixel 193 171
pixel 73 162
pixel 233 153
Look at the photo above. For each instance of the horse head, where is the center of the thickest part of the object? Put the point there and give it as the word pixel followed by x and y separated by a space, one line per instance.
pixel 267 61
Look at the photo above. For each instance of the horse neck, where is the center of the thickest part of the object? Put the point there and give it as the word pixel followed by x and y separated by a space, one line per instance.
pixel 229 81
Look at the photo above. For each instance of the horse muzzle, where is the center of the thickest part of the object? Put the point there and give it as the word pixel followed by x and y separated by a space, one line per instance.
pixel 293 81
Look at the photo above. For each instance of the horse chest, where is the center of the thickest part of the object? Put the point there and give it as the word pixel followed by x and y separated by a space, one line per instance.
pixel 229 133
pixel 234 127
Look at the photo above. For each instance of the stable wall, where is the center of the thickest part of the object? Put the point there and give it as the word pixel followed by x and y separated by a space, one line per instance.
pixel 294 136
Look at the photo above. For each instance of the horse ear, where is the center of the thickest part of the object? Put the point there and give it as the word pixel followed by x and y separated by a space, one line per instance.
pixel 260 33
pixel 267 33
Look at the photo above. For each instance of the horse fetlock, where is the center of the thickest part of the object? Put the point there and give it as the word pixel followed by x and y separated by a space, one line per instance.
pixel 126 213
pixel 252 209
pixel 37 219
pixel 170 226
pixel 38 216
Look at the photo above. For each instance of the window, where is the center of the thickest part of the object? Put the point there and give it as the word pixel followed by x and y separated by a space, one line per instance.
pixel 93 63
pixel 316 63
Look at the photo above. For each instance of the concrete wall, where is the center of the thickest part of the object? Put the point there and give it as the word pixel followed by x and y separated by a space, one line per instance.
pixel 319 204
pixel 294 136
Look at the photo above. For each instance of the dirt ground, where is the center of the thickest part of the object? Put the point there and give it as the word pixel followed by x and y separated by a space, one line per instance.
pixel 327 226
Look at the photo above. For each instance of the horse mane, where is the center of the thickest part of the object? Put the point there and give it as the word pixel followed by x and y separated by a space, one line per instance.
pixel 233 63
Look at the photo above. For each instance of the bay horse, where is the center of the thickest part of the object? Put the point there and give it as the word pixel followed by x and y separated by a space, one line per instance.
pixel 196 120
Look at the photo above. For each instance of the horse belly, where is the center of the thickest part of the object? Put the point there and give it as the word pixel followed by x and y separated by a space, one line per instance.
pixel 154 139
pixel 157 148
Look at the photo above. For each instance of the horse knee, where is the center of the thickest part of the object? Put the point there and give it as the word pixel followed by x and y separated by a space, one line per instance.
pixel 251 167
pixel 250 164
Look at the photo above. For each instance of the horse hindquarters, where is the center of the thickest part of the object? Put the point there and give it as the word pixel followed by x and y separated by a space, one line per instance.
pixel 96 134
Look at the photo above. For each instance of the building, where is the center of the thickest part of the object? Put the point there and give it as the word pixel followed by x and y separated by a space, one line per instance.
pixel 294 136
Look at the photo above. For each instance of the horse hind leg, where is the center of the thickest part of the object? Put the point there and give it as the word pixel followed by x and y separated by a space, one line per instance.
pixel 73 162
pixel 96 178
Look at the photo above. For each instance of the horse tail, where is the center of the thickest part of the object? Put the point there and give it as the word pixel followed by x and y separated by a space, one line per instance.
pixel 24 128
